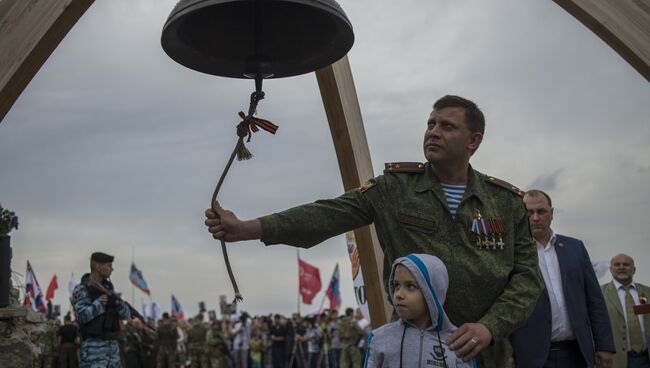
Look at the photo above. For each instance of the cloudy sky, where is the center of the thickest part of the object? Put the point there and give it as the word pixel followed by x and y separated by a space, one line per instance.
pixel 115 147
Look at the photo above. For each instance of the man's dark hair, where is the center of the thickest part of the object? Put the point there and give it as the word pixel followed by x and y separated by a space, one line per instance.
pixel 473 115
pixel 537 193
pixel 349 311
pixel 165 315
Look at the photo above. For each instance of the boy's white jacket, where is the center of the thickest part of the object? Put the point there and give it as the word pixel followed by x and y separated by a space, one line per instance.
pixel 401 343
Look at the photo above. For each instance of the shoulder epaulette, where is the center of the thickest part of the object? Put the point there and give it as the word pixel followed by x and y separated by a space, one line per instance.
pixel 505 185
pixel 403 167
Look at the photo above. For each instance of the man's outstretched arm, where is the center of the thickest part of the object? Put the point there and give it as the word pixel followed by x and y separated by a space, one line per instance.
pixel 301 226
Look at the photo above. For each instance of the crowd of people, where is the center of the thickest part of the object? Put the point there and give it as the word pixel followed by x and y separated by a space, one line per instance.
pixel 326 340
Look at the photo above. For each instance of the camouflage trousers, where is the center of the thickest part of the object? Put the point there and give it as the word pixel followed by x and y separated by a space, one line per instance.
pixel 100 353
pixel 350 357
pixel 218 361
pixel 166 357
pixel 197 357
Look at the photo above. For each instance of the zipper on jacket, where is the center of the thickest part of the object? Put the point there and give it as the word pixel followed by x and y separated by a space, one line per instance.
pixel 421 343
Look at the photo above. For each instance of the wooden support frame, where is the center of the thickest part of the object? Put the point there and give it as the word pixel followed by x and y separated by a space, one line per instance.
pixel 31 30
pixel 346 125
pixel 623 24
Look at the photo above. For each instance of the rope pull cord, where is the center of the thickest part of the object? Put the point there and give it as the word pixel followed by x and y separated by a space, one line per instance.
pixel 245 128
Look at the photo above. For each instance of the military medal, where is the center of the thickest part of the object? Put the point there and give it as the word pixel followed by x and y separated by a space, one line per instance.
pixel 492 227
pixel 479 228
pixel 499 230
pixel 489 232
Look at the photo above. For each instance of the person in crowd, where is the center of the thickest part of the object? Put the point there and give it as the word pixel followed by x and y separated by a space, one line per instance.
pixel 241 340
pixel 335 341
pixel 217 349
pixel 131 344
pixel 196 342
pixel 68 341
pixel 631 331
pixel 313 337
pixel 350 334
pixel 256 349
pixel 278 334
pixel 166 341
pixel 148 345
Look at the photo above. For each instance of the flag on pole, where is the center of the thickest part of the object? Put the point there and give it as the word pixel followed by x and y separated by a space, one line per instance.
pixel 309 281
pixel 33 293
pixel 333 290
pixel 72 284
pixel 54 284
pixel 137 280
pixel 177 309
pixel 155 311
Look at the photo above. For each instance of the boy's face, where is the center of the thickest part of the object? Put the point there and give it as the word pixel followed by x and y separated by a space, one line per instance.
pixel 408 299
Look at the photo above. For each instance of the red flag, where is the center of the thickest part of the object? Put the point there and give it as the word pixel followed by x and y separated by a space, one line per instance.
pixel 309 281
pixel 54 284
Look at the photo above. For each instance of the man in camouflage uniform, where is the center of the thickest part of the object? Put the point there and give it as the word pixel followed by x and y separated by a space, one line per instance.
pixel 196 342
pixel 148 347
pixel 132 344
pixel 98 315
pixel 350 333
pixel 216 348
pixel 476 224
pixel 166 338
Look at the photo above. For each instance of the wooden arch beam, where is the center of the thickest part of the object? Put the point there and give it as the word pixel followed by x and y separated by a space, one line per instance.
pixel 623 24
pixel 30 31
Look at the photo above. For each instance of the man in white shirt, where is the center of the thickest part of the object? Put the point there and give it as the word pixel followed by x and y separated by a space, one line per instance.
pixel 569 326
pixel 631 332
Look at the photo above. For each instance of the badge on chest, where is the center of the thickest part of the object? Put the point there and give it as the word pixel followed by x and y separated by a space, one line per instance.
pixel 488 232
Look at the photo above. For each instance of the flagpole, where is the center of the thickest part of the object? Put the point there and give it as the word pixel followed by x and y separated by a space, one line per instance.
pixel 298 263
pixel 328 286
pixel 132 286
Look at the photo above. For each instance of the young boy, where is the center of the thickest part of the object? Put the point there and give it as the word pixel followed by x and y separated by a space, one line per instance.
pixel 418 287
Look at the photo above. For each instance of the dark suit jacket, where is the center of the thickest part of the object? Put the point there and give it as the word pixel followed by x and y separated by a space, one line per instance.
pixel 584 302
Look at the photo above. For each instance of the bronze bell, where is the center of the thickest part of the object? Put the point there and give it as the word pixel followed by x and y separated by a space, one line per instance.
pixel 257 38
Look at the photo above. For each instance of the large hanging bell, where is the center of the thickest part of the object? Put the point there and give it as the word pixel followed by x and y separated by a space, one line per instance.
pixel 257 38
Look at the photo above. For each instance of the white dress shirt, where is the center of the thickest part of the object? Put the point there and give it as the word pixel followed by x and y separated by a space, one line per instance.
pixel 548 264
pixel 635 296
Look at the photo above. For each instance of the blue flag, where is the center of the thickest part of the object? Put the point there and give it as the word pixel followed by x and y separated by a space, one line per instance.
pixel 137 280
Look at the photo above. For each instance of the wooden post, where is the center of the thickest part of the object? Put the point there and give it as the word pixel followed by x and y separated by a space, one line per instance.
pixel 623 24
pixel 31 30
pixel 344 117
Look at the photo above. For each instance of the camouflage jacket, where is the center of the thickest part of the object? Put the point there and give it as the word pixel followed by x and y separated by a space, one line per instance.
pixel 87 309
pixel 496 287
pixel 349 331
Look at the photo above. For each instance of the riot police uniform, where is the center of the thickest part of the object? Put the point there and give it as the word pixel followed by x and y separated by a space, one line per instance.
pixel 99 323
